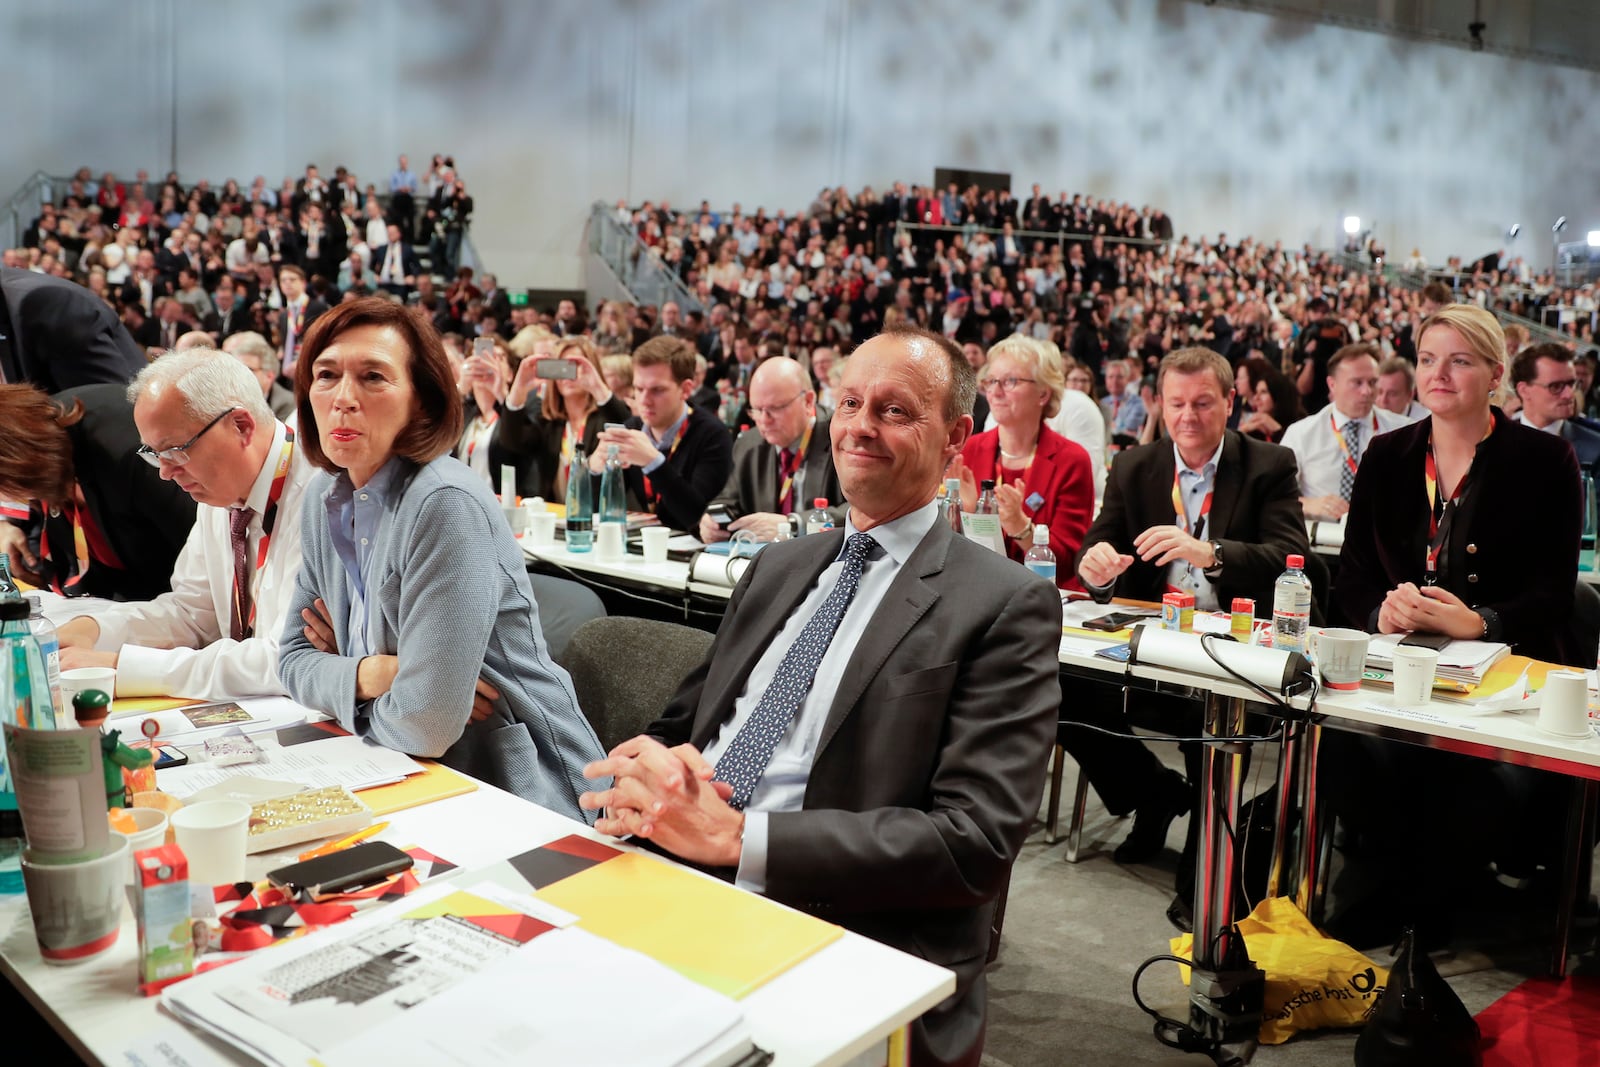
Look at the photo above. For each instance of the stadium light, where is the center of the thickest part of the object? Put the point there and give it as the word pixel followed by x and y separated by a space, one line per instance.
pixel 1352 224
pixel 1594 238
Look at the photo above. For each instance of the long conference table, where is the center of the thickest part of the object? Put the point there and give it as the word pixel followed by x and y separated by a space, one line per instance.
pixel 842 1001
pixel 1500 736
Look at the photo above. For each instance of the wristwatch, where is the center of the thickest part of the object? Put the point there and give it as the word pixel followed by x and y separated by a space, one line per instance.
pixel 1216 561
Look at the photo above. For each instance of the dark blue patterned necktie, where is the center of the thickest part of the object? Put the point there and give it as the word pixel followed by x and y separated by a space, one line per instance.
pixel 1352 444
pixel 742 765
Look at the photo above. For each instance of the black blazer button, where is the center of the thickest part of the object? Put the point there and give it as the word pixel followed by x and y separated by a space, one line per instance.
pixel 1472 550
pixel 1472 577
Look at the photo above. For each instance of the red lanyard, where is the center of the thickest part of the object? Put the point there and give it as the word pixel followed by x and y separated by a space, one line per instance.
pixel 794 466
pixel 1439 514
pixel 488 423
pixel 269 519
pixel 1181 516
pixel 677 439
pixel 1350 460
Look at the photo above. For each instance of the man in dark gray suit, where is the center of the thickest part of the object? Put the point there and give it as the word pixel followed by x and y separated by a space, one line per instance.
pixel 866 740
pixel 57 335
pixel 782 464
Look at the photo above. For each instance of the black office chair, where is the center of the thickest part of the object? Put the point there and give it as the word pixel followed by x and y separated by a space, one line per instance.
pixel 625 670
pixel 1584 626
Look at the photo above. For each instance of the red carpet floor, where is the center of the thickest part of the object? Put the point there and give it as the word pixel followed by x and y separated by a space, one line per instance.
pixel 1544 1023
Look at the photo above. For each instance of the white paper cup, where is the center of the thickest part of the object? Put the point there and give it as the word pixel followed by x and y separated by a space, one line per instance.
pixel 1414 669
pixel 1564 704
pixel 152 823
pixel 610 540
pixel 78 679
pixel 212 835
pixel 655 543
pixel 516 517
pixel 1341 656
pixel 77 907
pixel 542 527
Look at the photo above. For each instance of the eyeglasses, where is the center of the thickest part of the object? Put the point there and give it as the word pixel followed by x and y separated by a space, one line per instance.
pixel 1557 388
pixel 1005 385
pixel 178 455
pixel 772 409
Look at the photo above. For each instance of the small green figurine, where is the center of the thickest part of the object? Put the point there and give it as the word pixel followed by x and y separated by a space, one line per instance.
pixel 90 708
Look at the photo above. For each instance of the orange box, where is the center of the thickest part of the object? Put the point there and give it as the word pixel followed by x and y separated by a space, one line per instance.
pixel 161 906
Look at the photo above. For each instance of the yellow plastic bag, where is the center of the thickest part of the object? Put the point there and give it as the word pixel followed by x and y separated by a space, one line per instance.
pixel 1313 981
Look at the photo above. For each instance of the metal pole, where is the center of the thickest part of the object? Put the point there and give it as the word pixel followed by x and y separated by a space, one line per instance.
pixel 1312 873
pixel 1222 1006
pixel 1584 791
pixel 1277 875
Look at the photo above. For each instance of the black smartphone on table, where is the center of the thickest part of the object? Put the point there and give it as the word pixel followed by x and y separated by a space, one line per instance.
pixel 345 871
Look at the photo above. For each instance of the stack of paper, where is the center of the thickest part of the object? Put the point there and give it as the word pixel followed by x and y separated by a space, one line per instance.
pixel 466 978
pixel 1459 661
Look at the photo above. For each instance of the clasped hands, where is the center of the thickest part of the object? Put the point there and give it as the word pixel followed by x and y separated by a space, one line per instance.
pixel 668 796
pixel 1102 564
pixel 375 674
pixel 1428 609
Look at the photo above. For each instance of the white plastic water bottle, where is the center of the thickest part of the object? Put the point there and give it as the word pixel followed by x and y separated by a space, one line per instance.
pixel 44 632
pixel 1040 560
pixel 1291 607
pixel 819 519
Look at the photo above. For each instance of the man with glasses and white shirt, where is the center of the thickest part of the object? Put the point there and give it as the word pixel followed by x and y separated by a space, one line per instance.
pixel 1328 445
pixel 780 465
pixel 205 425
pixel 1545 380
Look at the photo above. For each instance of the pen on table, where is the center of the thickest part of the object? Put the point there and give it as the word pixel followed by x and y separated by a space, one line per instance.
pixel 345 842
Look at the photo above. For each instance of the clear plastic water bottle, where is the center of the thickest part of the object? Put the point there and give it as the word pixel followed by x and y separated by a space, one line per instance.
pixel 1040 560
pixel 8 586
pixel 952 496
pixel 24 701
pixel 613 492
pixel 987 504
pixel 580 505
pixel 819 519
pixel 1291 607
pixel 44 632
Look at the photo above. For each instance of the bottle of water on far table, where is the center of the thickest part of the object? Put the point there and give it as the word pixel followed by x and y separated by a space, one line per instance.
pixel 952 497
pixel 580 505
pixel 987 504
pixel 1040 560
pixel 613 494
pixel 819 519
pixel 1291 607
pixel 24 701
pixel 44 632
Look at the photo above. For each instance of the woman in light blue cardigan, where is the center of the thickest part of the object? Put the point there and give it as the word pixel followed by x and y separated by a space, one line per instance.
pixel 414 621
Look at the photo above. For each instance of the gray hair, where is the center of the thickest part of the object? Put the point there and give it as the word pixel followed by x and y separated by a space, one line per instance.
pixel 251 342
pixel 209 381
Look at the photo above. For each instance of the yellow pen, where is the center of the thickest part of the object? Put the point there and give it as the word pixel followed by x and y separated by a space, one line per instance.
pixel 345 842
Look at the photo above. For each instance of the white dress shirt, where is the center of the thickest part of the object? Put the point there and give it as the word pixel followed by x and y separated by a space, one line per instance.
pixel 1316 444
pixel 178 643
pixel 1554 428
pixel 1081 422
pixel 783 784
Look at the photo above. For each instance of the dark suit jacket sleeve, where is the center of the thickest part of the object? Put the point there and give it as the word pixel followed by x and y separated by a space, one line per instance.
pixel 72 338
pixel 998 726
pixel 704 460
pixel 1112 524
pixel 1274 492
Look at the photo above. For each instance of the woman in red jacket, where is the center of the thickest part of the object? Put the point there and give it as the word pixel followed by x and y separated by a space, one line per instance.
pixel 1039 475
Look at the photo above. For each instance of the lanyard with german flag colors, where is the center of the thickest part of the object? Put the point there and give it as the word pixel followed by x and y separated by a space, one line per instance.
pixel 269 520
pixel 1441 512
pixel 1338 435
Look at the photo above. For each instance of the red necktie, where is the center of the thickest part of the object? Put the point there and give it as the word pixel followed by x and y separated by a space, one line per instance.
pixel 785 500
pixel 239 538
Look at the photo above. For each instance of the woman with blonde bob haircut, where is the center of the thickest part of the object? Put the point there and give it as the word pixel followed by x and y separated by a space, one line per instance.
pixel 570 414
pixel 1040 477
pixel 1069 413
pixel 1464 524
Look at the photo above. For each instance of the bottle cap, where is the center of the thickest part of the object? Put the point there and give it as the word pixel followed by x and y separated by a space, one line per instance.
pixel 820 502
pixel 1041 534
pixel 988 484
pixel 1297 561
pixel 12 609
pixel 34 607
